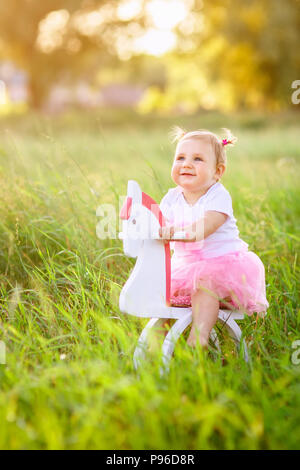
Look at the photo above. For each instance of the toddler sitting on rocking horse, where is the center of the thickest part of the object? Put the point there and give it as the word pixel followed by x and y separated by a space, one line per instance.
pixel 212 264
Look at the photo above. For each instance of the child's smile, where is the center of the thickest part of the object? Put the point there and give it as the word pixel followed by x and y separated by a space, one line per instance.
pixel 194 167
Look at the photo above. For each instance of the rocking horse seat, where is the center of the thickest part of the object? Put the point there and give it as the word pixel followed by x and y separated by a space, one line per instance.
pixel 185 301
pixel 181 301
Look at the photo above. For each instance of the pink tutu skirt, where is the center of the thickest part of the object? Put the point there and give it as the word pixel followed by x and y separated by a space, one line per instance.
pixel 237 279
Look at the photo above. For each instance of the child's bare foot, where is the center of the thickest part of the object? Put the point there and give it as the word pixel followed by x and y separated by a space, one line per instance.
pixel 195 337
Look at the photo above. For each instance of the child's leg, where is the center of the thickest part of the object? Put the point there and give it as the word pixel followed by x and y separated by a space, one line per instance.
pixel 205 310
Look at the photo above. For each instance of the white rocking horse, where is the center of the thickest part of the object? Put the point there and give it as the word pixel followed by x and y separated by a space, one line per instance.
pixel 147 291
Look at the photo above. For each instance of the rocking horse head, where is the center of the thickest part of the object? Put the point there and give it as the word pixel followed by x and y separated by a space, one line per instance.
pixel 147 291
pixel 141 219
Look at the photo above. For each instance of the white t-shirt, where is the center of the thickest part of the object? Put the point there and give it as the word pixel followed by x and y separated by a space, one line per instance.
pixel 178 212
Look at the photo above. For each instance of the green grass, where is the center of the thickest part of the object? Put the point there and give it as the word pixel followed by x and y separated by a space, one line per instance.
pixel 69 381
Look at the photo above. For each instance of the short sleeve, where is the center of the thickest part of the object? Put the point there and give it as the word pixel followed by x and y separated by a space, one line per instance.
pixel 166 208
pixel 219 201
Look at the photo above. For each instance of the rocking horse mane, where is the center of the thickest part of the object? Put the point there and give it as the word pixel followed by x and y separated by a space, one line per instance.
pixel 152 205
pixel 147 202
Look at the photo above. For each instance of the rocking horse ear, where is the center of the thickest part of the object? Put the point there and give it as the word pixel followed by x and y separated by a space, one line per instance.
pixel 126 209
pixel 134 191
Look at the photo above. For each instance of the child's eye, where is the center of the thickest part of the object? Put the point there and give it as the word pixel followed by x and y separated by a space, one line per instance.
pixel 199 159
pixel 180 158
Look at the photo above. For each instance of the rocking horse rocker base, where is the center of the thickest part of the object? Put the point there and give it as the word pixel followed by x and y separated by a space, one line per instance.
pixel 147 291
pixel 226 318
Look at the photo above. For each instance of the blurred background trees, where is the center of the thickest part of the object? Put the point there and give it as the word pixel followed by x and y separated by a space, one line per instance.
pixel 185 54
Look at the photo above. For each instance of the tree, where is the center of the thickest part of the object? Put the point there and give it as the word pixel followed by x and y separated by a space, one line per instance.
pixel 230 54
pixel 78 52
pixel 247 51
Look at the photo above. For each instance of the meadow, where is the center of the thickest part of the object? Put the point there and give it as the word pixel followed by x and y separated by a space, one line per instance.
pixel 69 381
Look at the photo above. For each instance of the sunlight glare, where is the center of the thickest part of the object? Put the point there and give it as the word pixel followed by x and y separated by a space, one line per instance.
pixel 51 30
pixel 166 14
pixel 128 9
pixel 89 23
pixel 155 42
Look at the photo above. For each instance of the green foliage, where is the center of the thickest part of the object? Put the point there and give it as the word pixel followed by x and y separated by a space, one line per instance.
pixel 19 26
pixel 229 55
pixel 69 381
pixel 241 55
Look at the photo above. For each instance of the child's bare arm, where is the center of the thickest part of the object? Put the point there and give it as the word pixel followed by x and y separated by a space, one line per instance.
pixel 198 230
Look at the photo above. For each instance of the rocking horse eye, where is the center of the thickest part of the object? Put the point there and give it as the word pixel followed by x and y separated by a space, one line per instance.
pixel 134 221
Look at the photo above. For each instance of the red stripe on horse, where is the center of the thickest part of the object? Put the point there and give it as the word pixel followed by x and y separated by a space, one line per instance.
pixel 148 202
pixel 126 209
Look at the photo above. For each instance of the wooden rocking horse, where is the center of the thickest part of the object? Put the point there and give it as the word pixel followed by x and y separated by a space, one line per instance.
pixel 147 291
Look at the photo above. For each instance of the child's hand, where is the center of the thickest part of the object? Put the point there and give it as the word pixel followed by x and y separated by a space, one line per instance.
pixel 166 233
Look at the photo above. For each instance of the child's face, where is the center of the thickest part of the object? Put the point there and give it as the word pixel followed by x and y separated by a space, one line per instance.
pixel 194 167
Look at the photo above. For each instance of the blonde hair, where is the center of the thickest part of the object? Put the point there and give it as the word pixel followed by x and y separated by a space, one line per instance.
pixel 178 134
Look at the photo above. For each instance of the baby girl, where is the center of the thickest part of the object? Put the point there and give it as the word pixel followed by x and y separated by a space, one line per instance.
pixel 211 264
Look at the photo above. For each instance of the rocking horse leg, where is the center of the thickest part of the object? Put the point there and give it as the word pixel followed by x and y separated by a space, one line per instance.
pixel 214 338
pixel 173 335
pixel 171 338
pixel 236 334
pixel 142 346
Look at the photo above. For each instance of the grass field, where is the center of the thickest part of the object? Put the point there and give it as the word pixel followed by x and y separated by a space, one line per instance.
pixel 68 381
